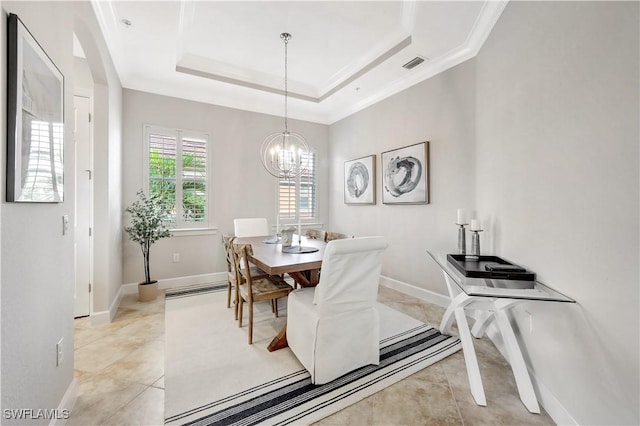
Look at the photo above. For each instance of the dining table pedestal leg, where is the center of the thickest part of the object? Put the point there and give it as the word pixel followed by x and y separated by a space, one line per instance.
pixel 280 341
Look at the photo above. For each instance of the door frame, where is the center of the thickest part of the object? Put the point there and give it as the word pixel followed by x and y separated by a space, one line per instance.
pixel 87 93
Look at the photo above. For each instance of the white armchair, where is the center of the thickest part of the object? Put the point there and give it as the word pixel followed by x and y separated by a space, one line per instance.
pixel 334 328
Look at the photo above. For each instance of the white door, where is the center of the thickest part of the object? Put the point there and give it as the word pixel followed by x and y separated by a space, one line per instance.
pixel 82 245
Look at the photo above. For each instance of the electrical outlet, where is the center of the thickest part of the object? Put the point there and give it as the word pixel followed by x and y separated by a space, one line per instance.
pixel 59 352
pixel 176 257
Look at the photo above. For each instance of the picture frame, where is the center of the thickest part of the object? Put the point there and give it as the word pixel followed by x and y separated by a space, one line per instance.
pixel 360 181
pixel 35 120
pixel 405 175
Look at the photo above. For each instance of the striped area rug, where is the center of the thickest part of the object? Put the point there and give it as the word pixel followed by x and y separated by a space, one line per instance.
pixel 273 388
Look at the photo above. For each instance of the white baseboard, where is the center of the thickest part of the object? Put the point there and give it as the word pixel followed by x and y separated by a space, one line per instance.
pixel 105 317
pixel 417 292
pixel 67 403
pixel 132 288
pixel 547 400
pixel 545 397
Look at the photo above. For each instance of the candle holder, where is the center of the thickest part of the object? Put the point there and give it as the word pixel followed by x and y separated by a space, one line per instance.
pixel 475 245
pixel 462 243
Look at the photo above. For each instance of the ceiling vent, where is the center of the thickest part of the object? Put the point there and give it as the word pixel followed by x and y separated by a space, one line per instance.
pixel 413 63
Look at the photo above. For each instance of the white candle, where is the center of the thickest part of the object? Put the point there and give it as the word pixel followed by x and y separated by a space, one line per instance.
pixel 462 217
pixel 299 228
pixel 475 225
pixel 277 223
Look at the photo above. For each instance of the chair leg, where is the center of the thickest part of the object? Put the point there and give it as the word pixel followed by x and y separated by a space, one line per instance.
pixel 250 322
pixel 240 312
pixel 275 303
pixel 237 299
pixel 228 294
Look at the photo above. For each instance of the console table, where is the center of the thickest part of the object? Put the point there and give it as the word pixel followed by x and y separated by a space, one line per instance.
pixel 493 298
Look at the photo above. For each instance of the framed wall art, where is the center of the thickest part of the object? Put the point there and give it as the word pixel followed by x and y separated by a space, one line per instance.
pixel 360 180
pixel 35 120
pixel 405 175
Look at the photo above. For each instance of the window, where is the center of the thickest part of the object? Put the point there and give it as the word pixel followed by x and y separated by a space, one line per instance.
pixel 302 188
pixel 176 171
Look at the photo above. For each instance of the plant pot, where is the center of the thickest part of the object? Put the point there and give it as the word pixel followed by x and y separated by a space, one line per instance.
pixel 147 291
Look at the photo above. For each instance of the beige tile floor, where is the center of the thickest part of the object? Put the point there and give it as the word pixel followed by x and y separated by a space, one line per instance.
pixel 120 373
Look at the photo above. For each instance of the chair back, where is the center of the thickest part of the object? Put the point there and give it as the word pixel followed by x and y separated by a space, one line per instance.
pixel 315 234
pixel 227 242
pixel 330 236
pixel 251 227
pixel 241 262
pixel 350 274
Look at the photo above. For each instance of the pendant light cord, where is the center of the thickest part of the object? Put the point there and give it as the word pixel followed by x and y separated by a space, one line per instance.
pixel 286 37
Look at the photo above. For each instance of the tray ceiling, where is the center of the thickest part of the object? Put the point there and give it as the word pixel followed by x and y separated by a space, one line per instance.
pixel 343 56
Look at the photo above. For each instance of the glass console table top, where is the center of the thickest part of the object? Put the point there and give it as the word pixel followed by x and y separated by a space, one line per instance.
pixel 498 288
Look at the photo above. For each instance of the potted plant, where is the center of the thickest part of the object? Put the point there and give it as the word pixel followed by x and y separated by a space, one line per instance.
pixel 148 215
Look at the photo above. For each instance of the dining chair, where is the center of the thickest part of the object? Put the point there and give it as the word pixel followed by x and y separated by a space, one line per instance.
pixel 252 289
pixel 334 328
pixel 232 276
pixel 316 234
pixel 330 236
pixel 251 227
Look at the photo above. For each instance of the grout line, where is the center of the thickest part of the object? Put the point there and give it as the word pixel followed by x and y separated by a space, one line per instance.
pixel 455 400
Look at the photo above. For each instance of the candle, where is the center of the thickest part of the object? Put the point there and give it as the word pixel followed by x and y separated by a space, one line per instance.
pixel 475 225
pixel 277 223
pixel 299 227
pixel 462 217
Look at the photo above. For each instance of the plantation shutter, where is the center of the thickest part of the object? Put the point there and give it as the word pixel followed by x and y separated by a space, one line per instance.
pixel 194 179
pixel 302 188
pixel 162 170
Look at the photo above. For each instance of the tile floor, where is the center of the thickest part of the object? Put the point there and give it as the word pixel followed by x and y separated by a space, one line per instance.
pixel 120 373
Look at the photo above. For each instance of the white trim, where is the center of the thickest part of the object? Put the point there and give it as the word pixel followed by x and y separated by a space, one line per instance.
pixel 105 317
pixel 545 397
pixel 215 277
pixel 193 232
pixel 67 402
pixel 420 293
pixel 179 134
pixel 487 18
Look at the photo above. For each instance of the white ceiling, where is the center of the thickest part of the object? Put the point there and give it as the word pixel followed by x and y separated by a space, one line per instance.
pixel 343 56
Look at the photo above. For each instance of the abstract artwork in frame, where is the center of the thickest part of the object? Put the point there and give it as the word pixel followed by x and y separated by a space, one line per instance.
pixel 35 120
pixel 360 180
pixel 405 175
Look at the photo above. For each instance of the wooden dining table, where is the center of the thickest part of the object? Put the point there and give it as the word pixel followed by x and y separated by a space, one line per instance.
pixel 270 258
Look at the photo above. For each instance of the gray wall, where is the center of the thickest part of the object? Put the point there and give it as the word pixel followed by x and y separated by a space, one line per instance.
pixel 240 185
pixel 36 259
pixel 441 111
pixel 557 179
pixel 539 135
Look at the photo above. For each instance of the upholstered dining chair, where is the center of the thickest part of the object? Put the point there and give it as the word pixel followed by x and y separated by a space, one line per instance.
pixel 232 276
pixel 251 227
pixel 334 328
pixel 316 234
pixel 251 289
pixel 330 236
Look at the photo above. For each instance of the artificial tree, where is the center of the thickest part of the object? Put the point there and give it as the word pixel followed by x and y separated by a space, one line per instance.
pixel 148 225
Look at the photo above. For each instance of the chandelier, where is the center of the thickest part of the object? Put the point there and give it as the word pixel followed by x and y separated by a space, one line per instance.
pixel 285 154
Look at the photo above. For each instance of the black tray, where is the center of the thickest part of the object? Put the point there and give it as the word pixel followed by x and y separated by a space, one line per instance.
pixel 476 268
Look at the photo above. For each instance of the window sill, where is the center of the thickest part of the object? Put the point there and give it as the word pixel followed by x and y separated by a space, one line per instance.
pixel 188 232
